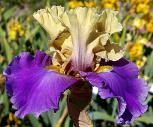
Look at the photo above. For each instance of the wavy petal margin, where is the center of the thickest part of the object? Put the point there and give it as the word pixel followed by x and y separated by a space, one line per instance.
pixel 32 88
pixel 122 83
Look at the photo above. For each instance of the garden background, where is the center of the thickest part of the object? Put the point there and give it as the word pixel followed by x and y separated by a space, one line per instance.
pixel 20 32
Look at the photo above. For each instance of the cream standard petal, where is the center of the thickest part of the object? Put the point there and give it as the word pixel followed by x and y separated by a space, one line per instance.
pixel 101 46
pixel 114 51
pixel 49 19
pixel 108 22
pixel 110 51
pixel 80 22
pixel 62 57
pixel 80 35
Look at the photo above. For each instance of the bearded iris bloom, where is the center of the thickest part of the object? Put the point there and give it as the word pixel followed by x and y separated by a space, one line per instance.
pixel 80 44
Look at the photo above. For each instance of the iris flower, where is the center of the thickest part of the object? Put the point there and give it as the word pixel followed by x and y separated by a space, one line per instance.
pixel 80 44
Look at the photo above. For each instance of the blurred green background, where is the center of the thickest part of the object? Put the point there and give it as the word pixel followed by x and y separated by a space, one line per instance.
pixel 20 32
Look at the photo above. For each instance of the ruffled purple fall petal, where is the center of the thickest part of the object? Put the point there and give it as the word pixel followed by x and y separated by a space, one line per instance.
pixel 122 83
pixel 32 88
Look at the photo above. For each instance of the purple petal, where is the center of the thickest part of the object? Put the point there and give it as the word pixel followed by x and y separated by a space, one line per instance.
pixel 122 83
pixel 32 88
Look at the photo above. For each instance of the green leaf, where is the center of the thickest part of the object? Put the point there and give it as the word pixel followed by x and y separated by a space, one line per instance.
pixel 33 32
pixel 148 71
pixel 101 116
pixel 5 44
pixel 34 121
pixel 54 117
pixel 45 119
pixel 7 14
pixel 8 50
pixel 2 33
pixel 67 122
pixel 146 118
pixel 44 41
pixel 6 103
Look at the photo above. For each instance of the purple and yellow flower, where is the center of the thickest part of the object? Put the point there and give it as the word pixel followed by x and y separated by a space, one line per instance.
pixel 80 43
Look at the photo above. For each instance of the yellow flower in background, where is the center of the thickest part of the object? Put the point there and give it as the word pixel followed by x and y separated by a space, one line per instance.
pixel 12 35
pixel 28 19
pixel 140 6
pixel 149 21
pixel 74 4
pixel 2 58
pixel 138 23
pixel 142 40
pixel 149 17
pixel 90 4
pixel 140 1
pixel 135 51
pixel 13 118
pixel 146 78
pixel 149 26
pixel 110 4
pixel 15 29
pixel 141 63
pixel 2 79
